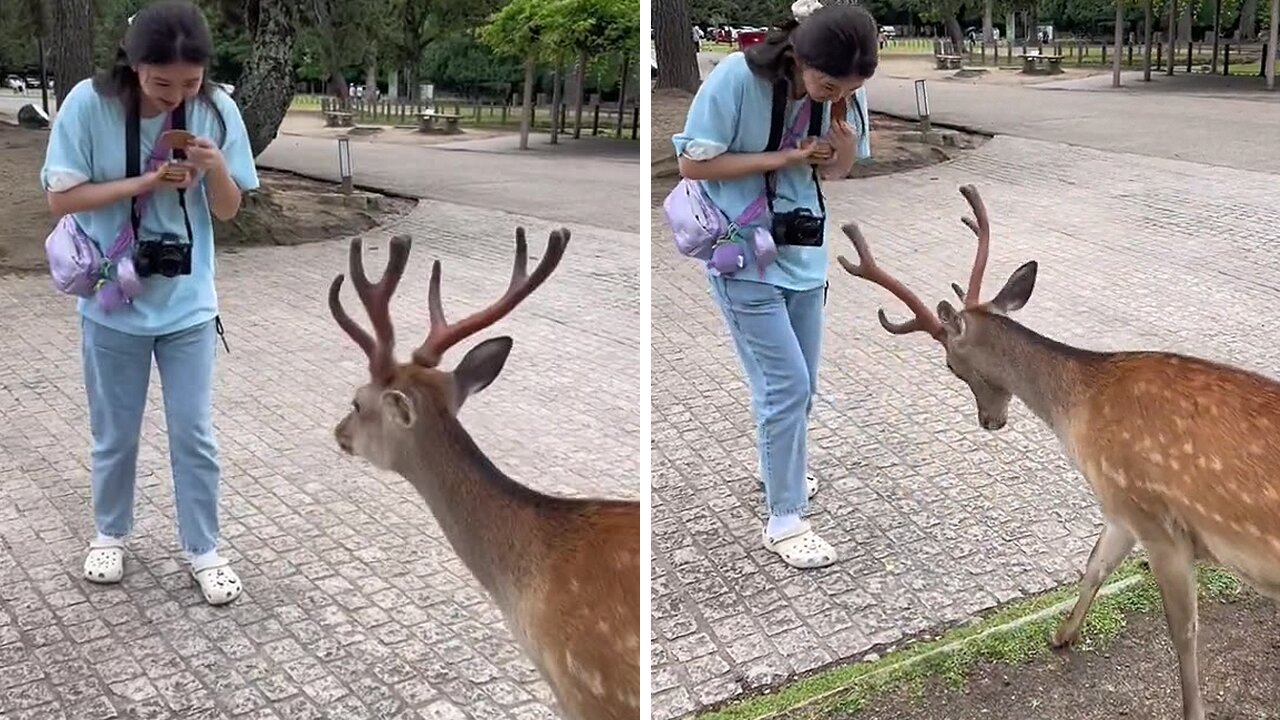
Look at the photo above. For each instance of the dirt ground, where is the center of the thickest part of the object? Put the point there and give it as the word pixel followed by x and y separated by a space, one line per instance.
pixel 1136 677
pixel 895 144
pixel 916 67
pixel 287 210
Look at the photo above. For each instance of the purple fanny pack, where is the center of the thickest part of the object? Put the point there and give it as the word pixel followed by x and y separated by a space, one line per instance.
pixel 702 231
pixel 77 265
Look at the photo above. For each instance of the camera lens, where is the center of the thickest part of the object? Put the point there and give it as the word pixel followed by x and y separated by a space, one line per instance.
pixel 169 262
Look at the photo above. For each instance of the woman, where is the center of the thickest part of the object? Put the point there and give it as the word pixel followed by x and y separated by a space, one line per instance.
pixel 774 313
pixel 161 68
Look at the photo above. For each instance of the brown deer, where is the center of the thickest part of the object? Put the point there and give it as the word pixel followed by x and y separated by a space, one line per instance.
pixel 564 572
pixel 1182 453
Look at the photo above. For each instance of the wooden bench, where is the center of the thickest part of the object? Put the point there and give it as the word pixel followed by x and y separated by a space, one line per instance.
pixel 948 62
pixel 430 123
pixel 335 118
pixel 1037 64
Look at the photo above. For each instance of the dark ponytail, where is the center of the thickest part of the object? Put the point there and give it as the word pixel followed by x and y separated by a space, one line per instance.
pixel 773 57
pixel 163 33
pixel 119 80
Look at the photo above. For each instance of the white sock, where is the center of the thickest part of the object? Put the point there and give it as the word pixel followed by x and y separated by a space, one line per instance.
pixel 199 562
pixel 108 540
pixel 780 525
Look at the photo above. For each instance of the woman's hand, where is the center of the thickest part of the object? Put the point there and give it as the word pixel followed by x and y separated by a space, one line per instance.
pixel 156 180
pixel 204 155
pixel 811 150
pixel 841 138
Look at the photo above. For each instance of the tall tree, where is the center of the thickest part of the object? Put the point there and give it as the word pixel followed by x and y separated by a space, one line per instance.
pixel 516 31
pixel 266 87
pixel 674 47
pixel 72 43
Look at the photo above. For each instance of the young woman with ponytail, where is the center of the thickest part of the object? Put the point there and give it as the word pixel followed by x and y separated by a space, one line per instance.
pixel 774 313
pixel 162 66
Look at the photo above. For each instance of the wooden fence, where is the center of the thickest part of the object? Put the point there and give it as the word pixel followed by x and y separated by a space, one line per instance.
pixel 1188 56
pixel 598 118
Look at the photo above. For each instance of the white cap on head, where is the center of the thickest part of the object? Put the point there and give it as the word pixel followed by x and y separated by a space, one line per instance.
pixel 802 9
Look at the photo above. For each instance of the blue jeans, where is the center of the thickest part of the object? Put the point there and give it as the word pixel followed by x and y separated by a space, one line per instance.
pixel 117 371
pixel 778 335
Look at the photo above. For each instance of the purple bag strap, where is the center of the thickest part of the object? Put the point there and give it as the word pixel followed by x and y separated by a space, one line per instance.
pixel 125 238
pixel 757 207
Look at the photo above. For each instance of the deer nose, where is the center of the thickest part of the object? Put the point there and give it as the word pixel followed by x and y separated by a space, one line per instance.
pixel 991 423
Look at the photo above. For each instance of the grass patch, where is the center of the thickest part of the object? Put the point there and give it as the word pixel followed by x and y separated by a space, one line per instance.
pixel 848 688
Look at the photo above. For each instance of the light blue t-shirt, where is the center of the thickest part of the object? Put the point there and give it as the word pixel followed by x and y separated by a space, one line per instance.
pixel 87 140
pixel 732 113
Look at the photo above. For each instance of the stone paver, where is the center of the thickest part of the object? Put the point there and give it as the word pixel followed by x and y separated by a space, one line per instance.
pixel 934 519
pixel 355 605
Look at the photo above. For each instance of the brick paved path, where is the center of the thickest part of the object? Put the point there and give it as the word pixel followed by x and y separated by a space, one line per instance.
pixel 355 606
pixel 934 519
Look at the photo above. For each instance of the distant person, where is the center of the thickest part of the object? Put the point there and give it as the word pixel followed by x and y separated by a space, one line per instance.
pixel 162 66
pixel 774 310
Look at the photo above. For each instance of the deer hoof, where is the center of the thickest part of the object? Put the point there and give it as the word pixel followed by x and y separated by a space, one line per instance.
pixel 1063 638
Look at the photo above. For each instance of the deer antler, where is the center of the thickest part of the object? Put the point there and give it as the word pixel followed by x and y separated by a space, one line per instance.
pixel 377 303
pixel 444 334
pixel 868 270
pixel 982 228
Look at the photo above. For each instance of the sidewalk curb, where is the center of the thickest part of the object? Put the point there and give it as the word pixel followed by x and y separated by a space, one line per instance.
pixel 355 185
pixel 960 127
pixel 952 647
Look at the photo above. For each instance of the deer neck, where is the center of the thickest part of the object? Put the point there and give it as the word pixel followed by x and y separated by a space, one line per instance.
pixel 487 516
pixel 1049 377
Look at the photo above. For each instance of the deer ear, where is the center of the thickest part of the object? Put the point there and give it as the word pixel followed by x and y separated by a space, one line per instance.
pixel 1017 291
pixel 952 321
pixel 480 366
pixel 397 408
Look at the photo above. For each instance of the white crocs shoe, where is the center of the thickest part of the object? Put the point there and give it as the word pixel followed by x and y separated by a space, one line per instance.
pixel 105 561
pixel 801 548
pixel 218 582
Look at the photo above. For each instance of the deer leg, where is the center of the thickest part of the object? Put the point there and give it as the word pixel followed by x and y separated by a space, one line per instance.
pixel 1113 545
pixel 1171 563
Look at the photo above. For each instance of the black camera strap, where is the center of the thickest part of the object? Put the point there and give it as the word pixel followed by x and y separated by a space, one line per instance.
pixel 781 88
pixel 133 161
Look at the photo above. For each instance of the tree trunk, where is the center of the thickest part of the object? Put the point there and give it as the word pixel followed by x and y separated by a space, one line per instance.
pixel 988 22
pixel 371 75
pixel 72 39
pixel 266 87
pixel 1146 41
pixel 1248 28
pixel 1119 40
pixel 622 91
pixel 1011 27
pixel 674 50
pixel 526 111
pixel 557 82
pixel 954 32
pixel 580 87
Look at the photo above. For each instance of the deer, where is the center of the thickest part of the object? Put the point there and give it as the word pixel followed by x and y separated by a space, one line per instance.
pixel 564 572
pixel 1182 453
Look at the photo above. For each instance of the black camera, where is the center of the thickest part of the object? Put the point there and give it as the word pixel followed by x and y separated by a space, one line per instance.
pixel 799 227
pixel 167 255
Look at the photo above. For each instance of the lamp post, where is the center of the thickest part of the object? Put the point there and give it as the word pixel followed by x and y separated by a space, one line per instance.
pixel 922 105
pixel 344 164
